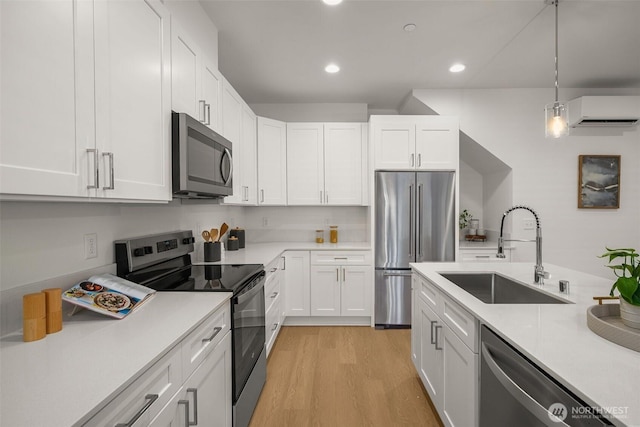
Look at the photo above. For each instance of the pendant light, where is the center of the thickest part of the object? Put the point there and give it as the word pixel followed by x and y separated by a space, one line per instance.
pixel 555 114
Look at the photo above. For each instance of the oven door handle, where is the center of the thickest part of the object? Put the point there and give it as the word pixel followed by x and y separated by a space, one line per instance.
pixel 249 294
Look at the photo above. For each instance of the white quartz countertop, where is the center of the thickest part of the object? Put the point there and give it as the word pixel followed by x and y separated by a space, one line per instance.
pixel 63 379
pixel 556 336
pixel 264 253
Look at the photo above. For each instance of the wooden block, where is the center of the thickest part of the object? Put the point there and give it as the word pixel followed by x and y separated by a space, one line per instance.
pixel 34 317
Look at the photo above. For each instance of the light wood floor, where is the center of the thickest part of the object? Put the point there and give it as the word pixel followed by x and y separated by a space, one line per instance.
pixel 342 376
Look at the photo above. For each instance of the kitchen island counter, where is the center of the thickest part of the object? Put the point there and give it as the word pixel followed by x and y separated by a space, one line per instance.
pixel 556 336
pixel 65 378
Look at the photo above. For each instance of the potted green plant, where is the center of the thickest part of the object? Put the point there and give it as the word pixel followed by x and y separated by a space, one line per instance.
pixel 627 284
pixel 464 219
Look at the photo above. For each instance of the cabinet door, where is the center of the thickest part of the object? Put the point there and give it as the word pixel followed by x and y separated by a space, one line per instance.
pixel 47 121
pixel 437 143
pixel 205 398
pixel 460 382
pixel 249 159
pixel 272 162
pixel 133 99
pixel 232 130
pixel 305 164
pixel 325 290
pixel 343 163
pixel 296 279
pixel 356 285
pixel 211 96
pixel 416 324
pixel 394 145
pixel 431 353
pixel 185 74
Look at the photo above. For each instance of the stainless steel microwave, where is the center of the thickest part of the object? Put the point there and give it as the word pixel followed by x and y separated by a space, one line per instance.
pixel 202 163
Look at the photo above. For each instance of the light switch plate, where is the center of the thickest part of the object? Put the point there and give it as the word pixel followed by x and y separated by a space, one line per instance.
pixel 529 224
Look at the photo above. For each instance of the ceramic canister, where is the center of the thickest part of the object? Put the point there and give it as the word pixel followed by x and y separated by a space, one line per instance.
pixel 239 233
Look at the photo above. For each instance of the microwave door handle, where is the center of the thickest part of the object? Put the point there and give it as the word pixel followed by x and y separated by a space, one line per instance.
pixel 227 153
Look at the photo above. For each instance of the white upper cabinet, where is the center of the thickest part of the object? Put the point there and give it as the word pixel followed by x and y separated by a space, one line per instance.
pixel 46 122
pixel 249 176
pixel 133 102
pixel 415 142
pixel 325 163
pixel 54 83
pixel 305 164
pixel 196 84
pixel 232 104
pixel 272 162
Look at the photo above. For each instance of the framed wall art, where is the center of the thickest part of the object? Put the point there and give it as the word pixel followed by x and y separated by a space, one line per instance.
pixel 598 182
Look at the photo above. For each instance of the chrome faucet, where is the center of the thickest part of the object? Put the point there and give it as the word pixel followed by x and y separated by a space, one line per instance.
pixel 539 274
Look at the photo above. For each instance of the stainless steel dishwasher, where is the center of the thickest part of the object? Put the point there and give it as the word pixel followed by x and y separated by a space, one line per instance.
pixel 516 392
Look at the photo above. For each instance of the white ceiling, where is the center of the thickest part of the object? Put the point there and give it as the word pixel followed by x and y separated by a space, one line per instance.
pixel 275 51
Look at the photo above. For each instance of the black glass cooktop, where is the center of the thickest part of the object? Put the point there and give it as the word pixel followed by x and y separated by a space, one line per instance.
pixel 179 275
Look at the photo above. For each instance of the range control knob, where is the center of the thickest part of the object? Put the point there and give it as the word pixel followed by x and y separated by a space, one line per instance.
pixel 188 240
pixel 148 249
pixel 138 252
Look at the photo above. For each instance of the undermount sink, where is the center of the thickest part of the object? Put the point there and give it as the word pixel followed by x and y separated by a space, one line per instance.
pixel 492 288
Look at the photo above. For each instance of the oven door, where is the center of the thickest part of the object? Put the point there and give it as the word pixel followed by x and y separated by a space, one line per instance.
pixel 248 332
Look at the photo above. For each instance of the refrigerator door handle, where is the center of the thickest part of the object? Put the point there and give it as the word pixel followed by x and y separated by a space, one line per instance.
pixel 411 224
pixel 419 234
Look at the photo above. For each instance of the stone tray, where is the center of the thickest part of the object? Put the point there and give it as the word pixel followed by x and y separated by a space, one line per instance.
pixel 605 321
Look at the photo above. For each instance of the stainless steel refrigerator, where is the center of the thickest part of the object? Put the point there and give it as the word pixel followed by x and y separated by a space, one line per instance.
pixel 414 222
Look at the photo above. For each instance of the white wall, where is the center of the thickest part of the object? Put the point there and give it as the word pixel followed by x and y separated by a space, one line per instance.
pixel 471 193
pixel 45 240
pixel 321 112
pixel 510 124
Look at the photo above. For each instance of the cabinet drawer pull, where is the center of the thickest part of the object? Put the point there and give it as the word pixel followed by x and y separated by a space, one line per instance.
pixel 340 257
pixel 438 327
pixel 195 407
pixel 344 275
pixel 111 174
pixel 337 274
pixel 419 159
pixel 412 160
pixel 261 195
pixel 96 175
pixel 273 269
pixel 216 331
pixel 186 411
pixel 275 326
pixel 275 294
pixel 207 109
pixel 433 322
pixel 202 110
pixel 483 256
pixel 150 398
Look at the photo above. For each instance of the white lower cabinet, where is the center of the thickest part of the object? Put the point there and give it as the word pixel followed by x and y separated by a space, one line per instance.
pixel 340 290
pixel 189 385
pixel 205 397
pixel 444 352
pixel 296 278
pixel 273 305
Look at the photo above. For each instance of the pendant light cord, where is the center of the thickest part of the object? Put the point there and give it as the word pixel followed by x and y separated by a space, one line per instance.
pixel 556 60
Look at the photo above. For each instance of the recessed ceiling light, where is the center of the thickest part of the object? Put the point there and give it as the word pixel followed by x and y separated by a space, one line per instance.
pixel 409 27
pixel 456 68
pixel 332 2
pixel 332 68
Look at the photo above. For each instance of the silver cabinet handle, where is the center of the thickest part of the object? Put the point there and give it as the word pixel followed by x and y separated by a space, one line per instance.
pixel 438 327
pixel 412 160
pixel 195 407
pixel 96 175
pixel 433 322
pixel 112 186
pixel 202 110
pixel 340 257
pixel 483 256
pixel 245 193
pixel 284 263
pixel 216 331
pixel 344 275
pixel 326 197
pixel 261 195
pixel 273 269
pixel 186 411
pixel 150 398
pixel 337 274
pixel 207 109
pixel 275 294
pixel 228 178
pixel 419 159
pixel 321 197
pixel 275 326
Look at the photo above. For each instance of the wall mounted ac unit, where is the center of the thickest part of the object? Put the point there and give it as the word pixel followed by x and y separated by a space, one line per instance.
pixel 607 111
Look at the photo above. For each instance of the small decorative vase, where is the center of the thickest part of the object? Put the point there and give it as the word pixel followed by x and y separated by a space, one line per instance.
pixel 630 314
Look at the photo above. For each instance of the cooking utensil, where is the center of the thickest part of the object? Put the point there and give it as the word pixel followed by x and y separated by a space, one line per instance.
pixel 223 229
pixel 206 236
pixel 214 234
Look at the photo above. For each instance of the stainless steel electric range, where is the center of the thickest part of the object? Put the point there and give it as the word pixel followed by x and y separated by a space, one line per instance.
pixel 163 262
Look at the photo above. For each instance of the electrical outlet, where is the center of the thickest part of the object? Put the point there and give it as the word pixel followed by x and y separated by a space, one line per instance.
pixel 90 246
pixel 529 224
